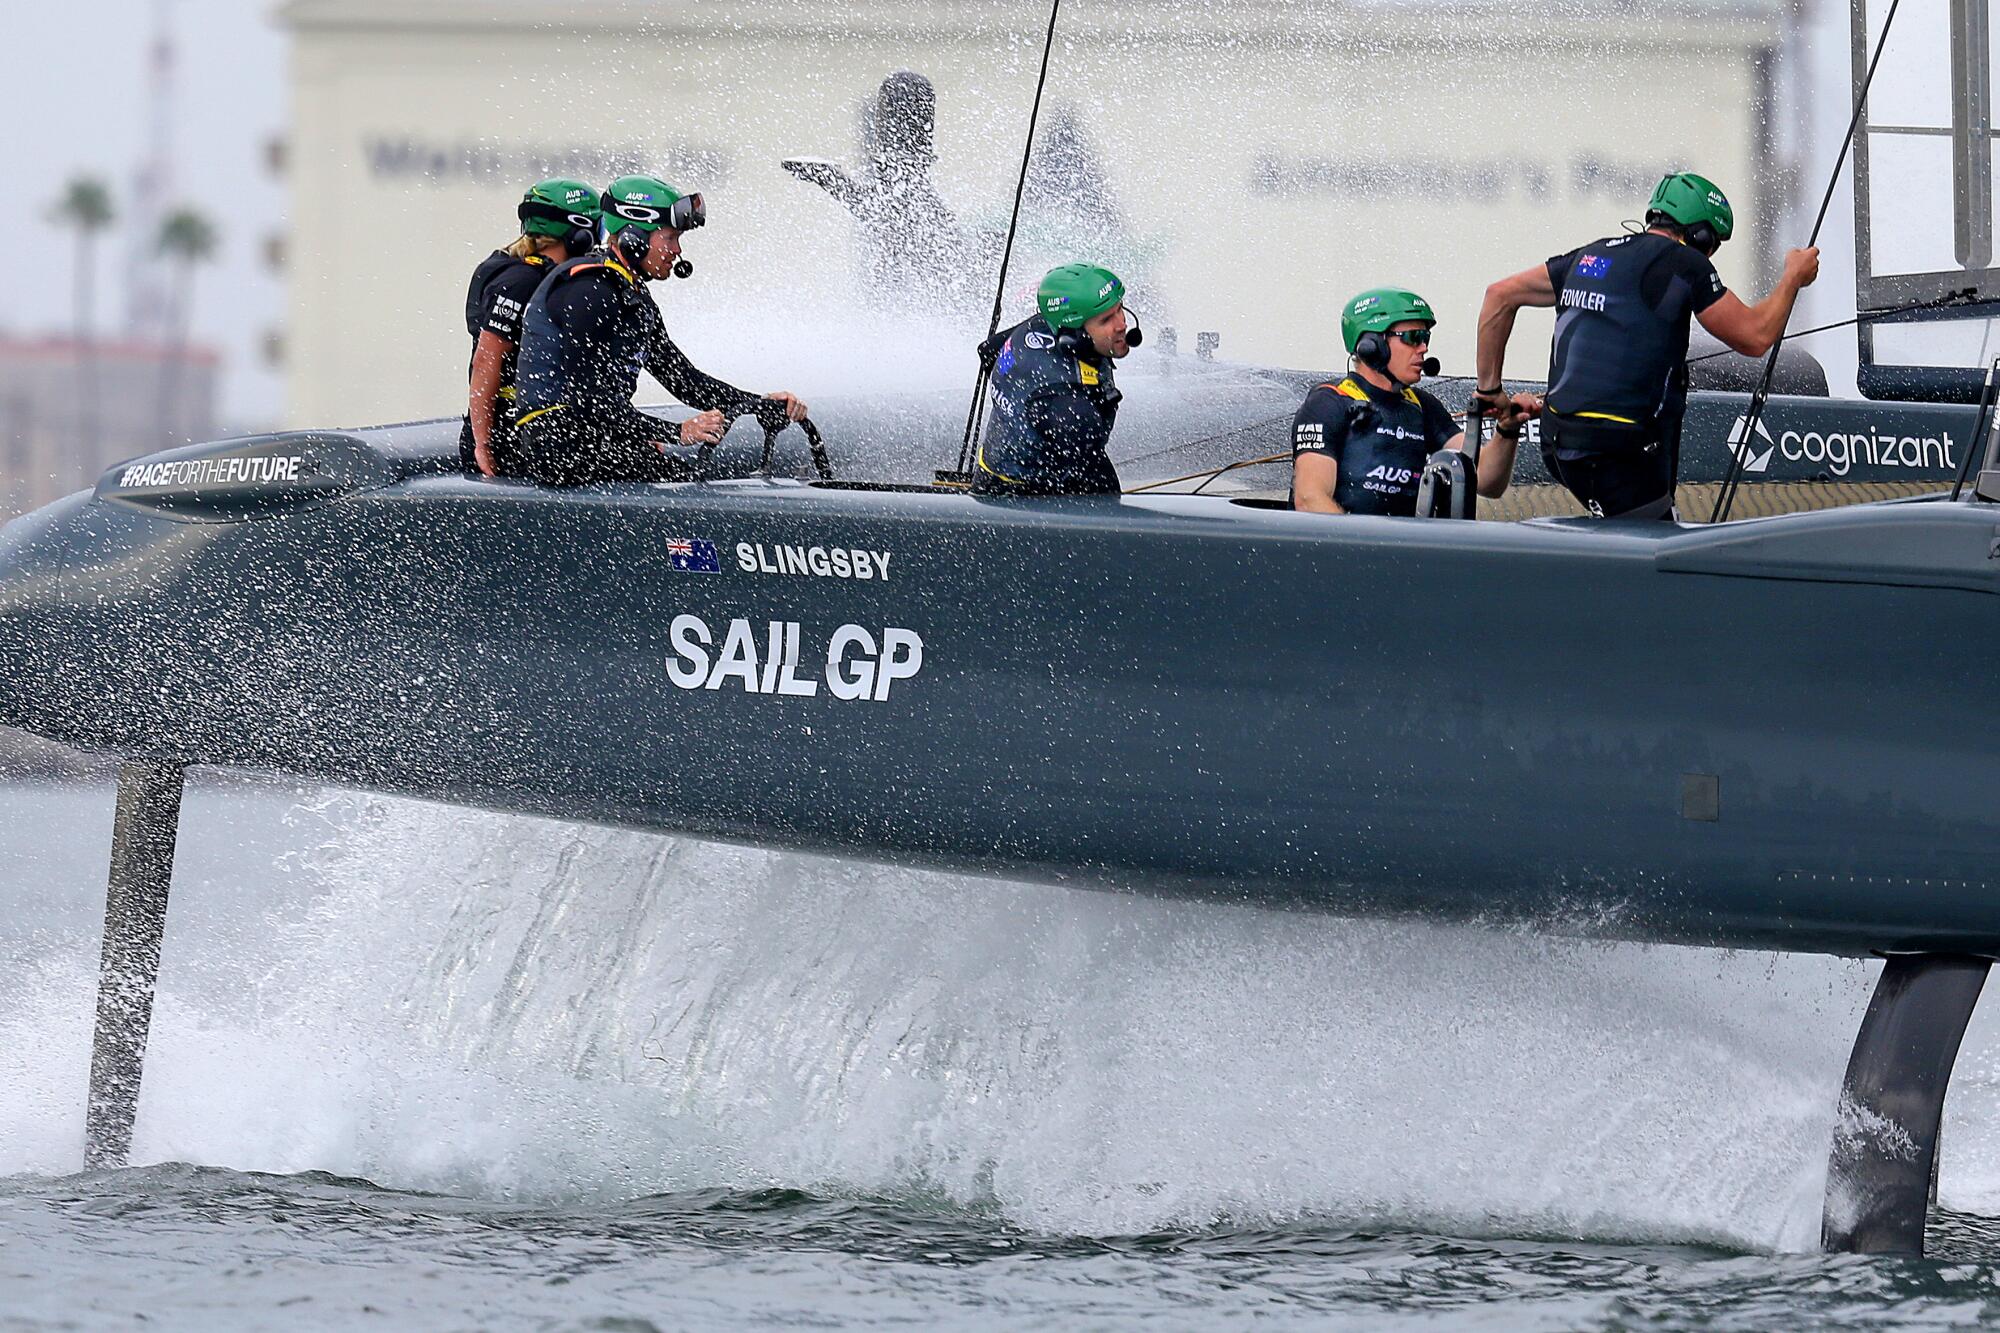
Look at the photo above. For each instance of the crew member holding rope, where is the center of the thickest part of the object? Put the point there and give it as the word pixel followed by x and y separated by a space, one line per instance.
pixel 559 220
pixel 1359 444
pixel 1055 397
pixel 593 326
pixel 1617 371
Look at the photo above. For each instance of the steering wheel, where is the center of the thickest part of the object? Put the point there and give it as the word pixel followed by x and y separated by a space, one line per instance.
pixel 773 420
pixel 770 416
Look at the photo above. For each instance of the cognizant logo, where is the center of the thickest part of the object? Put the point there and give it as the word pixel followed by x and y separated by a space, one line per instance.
pixel 1755 456
pixel 1838 452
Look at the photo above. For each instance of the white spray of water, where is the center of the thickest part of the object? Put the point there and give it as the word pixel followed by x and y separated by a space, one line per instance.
pixel 520 1009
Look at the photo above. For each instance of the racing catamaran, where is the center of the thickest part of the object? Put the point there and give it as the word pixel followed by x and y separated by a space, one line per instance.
pixel 1646 731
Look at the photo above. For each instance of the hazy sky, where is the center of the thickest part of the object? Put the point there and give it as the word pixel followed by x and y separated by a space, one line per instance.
pixel 73 95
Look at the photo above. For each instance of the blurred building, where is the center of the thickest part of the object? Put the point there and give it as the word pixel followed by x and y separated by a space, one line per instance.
pixel 1246 165
pixel 69 411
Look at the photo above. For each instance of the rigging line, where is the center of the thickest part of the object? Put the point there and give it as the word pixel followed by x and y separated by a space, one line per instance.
pixel 1247 462
pixel 1206 439
pixel 1179 447
pixel 1964 296
pixel 1726 495
pixel 1007 254
pixel 1978 440
pixel 1210 473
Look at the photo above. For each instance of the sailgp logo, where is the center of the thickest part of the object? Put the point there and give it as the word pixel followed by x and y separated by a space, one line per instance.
pixel 766 658
pixel 1747 452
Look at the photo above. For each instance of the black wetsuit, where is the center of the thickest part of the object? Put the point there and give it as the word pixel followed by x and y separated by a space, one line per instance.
pixel 1618 369
pixel 1378 440
pixel 592 327
pixel 1053 410
pixel 497 297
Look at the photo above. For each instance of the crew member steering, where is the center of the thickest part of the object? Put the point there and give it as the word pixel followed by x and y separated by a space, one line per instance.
pixel 589 331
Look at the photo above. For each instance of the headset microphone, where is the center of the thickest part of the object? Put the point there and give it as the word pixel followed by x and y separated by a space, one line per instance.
pixel 683 269
pixel 1371 349
pixel 1134 335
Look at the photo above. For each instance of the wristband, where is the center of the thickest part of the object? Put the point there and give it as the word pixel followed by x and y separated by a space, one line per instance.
pixel 1498 388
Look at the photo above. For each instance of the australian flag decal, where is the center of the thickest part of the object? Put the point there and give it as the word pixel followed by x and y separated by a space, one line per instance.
pixel 692 555
pixel 1593 266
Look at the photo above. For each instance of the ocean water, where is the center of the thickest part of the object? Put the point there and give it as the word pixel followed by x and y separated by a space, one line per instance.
pixel 430 1068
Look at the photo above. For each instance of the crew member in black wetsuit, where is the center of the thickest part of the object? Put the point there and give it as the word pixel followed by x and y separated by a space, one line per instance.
pixel 1611 431
pixel 593 326
pixel 1359 444
pixel 1055 397
pixel 558 222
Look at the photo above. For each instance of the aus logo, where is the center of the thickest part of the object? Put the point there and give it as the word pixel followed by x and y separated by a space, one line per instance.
pixel 1400 476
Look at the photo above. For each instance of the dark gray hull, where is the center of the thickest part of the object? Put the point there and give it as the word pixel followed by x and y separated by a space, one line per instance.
pixel 1770 734
pixel 1766 735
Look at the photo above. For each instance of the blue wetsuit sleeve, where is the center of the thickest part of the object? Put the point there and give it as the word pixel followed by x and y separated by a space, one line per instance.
pixel 506 301
pixel 1321 424
pixel 1704 283
pixel 668 364
pixel 1559 269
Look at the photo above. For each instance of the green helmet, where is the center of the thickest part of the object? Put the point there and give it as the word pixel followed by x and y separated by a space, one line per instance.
pixel 559 208
pixel 649 203
pixel 1692 200
pixel 1379 309
pixel 1075 294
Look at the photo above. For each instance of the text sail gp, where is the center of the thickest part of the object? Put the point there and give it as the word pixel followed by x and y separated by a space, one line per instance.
pixel 856 664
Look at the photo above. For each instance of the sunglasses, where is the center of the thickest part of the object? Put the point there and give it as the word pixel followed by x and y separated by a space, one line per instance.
pixel 683 214
pixel 1413 337
pixel 688 212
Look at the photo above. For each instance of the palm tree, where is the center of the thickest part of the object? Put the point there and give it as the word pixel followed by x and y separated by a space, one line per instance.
pixel 85 205
pixel 186 240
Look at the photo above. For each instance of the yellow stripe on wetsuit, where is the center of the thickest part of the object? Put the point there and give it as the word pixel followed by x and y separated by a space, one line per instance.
pixel 1347 388
pixel 992 471
pixel 540 411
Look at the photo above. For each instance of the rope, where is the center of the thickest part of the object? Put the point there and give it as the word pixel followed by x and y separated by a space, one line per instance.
pixel 1725 497
pixel 1206 439
pixel 1963 296
pixel 1007 255
pixel 1208 475
pixel 1978 440
pixel 1212 473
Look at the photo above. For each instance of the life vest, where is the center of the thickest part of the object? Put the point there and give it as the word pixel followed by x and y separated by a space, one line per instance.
pixel 1616 357
pixel 1381 461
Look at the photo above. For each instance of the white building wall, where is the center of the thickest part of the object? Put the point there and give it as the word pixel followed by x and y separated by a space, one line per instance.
pixel 418 123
